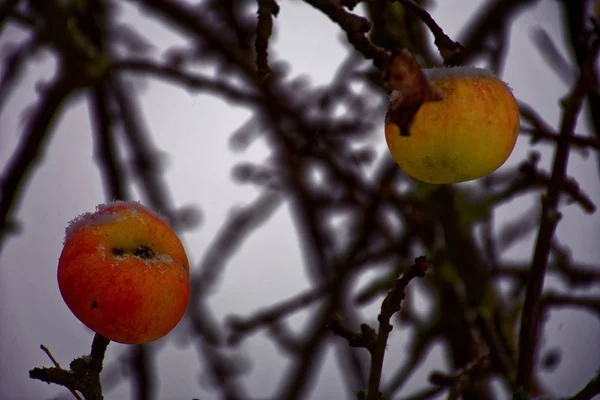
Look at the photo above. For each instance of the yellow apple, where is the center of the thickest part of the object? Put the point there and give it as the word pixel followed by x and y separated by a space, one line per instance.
pixel 466 135
pixel 124 273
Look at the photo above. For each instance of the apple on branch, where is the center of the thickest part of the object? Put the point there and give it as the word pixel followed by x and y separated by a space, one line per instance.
pixel 124 273
pixel 467 134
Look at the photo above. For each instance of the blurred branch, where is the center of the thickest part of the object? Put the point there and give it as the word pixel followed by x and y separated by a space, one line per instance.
pixel 530 177
pixel 542 131
pixel 554 59
pixel 60 29
pixel 145 160
pixel 343 267
pixel 231 235
pixel 187 80
pixel 577 141
pixel 94 20
pixel 14 65
pixel 189 20
pixel 423 338
pixel 576 20
pixel 590 390
pixel 460 380
pixel 38 127
pixel 478 294
pixel 283 337
pixel 494 20
pixel 142 369
pixel 355 27
pixel 350 361
pixel 80 65
pixel 575 275
pixel 426 394
pixel 105 146
pixel 227 240
pixel 452 52
pixel 529 332
pixel 558 300
pixel 393 27
pixel 273 315
pixel 222 368
pixel 5 10
pixel 513 232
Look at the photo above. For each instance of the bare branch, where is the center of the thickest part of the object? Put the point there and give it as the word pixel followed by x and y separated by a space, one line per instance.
pixel 84 375
pixel 266 10
pixel 528 337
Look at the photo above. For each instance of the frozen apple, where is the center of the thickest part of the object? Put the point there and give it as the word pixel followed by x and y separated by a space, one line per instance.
pixel 466 135
pixel 124 273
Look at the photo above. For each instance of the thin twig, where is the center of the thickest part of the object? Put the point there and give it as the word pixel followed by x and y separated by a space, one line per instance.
pixel 84 373
pixel 57 365
pixel 390 305
pixel 50 356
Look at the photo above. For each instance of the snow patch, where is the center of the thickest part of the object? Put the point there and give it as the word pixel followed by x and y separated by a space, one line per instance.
pixel 434 74
pixel 135 205
pixel 102 216
pixel 466 72
pixel 88 219
pixel 156 259
pixel 161 259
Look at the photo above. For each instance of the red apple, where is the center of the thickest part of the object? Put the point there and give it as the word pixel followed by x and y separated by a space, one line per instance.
pixel 124 273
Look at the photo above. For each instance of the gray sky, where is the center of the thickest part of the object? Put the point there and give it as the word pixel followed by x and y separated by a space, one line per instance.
pixel 193 131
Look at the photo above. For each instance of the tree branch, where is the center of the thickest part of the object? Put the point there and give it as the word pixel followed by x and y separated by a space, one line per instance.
pixel 84 375
pixel 391 304
pixel 23 160
pixel 528 338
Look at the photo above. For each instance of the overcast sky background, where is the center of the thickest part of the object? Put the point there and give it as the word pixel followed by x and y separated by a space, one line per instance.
pixel 193 131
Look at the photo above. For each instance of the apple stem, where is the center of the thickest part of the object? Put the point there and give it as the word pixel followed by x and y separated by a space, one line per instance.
pixel 99 346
